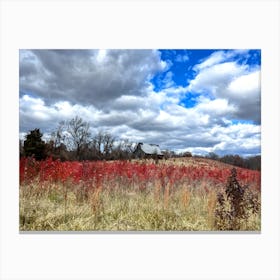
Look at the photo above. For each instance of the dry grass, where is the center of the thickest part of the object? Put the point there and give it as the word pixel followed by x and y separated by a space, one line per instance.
pixel 157 208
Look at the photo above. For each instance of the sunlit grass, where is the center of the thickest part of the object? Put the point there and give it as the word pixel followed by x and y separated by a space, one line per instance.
pixel 58 208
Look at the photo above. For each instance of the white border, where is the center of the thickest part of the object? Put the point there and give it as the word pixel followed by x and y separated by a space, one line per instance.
pixel 132 24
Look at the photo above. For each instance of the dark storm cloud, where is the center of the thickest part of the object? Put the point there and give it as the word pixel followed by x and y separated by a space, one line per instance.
pixel 27 70
pixel 88 77
pixel 149 124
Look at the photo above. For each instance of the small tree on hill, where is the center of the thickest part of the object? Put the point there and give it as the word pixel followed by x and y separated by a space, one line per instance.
pixel 34 145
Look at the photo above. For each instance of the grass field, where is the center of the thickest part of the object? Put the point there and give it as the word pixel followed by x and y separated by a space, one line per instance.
pixel 133 196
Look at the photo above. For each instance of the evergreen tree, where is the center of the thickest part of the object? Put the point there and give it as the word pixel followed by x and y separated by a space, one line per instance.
pixel 34 145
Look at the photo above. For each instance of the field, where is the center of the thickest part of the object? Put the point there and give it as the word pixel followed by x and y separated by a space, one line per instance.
pixel 186 194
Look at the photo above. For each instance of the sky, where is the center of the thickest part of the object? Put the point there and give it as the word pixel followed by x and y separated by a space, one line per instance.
pixel 196 100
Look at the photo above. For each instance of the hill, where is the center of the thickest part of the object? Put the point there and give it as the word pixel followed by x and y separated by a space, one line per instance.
pixel 175 194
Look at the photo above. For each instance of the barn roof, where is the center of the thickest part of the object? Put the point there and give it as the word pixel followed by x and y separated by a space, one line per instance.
pixel 150 149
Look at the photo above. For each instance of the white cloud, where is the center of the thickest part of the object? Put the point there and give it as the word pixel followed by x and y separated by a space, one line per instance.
pixel 216 107
pixel 214 58
pixel 182 58
pixel 35 113
pixel 245 86
pixel 168 81
pixel 242 138
pixel 218 57
pixel 112 90
pixel 101 56
pixel 234 83
pixel 215 78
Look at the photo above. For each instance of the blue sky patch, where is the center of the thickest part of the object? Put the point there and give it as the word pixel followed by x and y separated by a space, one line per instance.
pixel 182 64
pixel 234 122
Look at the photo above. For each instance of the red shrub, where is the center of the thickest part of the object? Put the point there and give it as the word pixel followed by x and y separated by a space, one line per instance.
pixel 95 173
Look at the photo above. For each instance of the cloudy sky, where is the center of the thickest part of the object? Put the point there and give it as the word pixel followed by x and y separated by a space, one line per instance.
pixel 184 100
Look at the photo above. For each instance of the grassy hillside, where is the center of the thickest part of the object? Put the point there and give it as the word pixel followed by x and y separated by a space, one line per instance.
pixel 186 194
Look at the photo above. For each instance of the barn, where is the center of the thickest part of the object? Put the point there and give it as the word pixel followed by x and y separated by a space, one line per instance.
pixel 143 150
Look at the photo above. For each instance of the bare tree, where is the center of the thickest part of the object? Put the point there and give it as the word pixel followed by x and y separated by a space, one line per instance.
pixel 103 145
pixel 97 145
pixel 108 142
pixel 58 136
pixel 78 134
pixel 72 140
pixel 72 134
pixel 124 150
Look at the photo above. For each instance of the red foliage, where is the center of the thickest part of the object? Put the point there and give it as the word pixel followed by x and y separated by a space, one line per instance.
pixel 96 173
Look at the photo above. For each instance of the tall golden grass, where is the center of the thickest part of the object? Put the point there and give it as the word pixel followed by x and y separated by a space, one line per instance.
pixel 157 208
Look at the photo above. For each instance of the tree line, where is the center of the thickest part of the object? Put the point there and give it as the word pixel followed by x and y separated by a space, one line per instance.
pixel 253 162
pixel 72 140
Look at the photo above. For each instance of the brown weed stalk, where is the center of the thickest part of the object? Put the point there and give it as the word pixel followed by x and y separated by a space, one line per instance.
pixel 211 205
pixel 157 190
pixel 186 197
pixel 94 199
pixel 166 195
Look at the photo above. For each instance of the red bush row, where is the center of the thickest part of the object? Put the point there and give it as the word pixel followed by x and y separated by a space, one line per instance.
pixel 98 171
